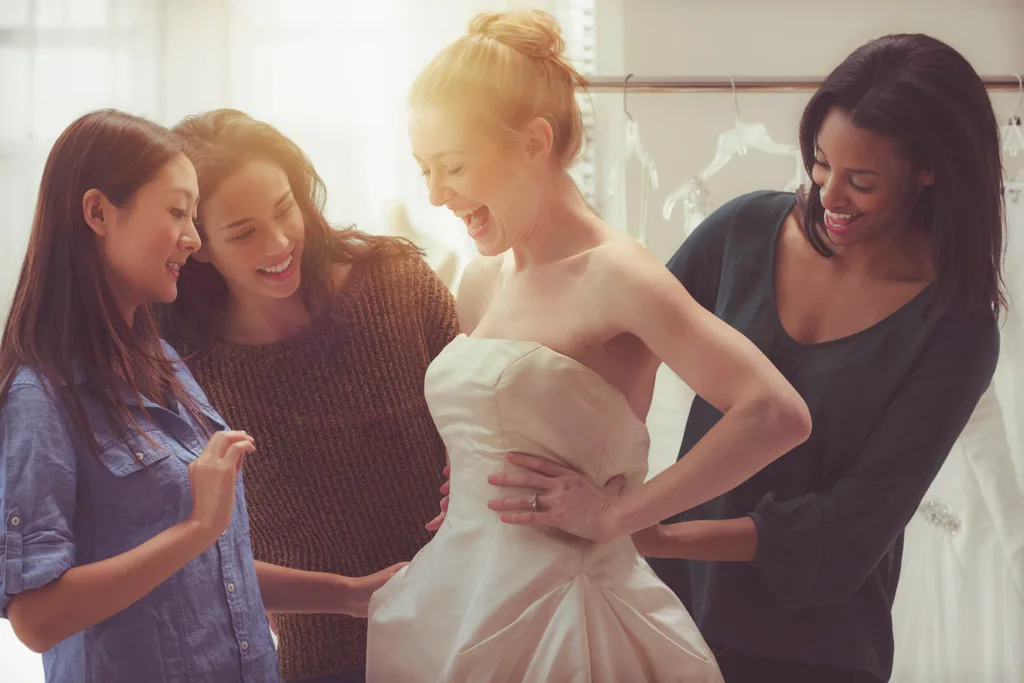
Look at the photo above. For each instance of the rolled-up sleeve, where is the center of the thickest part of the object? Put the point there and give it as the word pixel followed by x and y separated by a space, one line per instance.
pixel 817 550
pixel 37 492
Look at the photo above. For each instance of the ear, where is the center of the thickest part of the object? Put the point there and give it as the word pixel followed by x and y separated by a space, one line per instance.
pixel 99 213
pixel 539 138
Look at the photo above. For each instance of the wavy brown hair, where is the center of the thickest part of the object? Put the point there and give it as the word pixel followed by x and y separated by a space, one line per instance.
pixel 64 323
pixel 219 143
pixel 923 94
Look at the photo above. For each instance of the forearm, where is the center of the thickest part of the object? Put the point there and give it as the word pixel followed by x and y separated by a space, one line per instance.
pixel 84 596
pixel 744 441
pixel 724 540
pixel 299 591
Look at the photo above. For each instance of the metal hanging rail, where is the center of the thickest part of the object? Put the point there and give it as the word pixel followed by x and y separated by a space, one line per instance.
pixel 654 84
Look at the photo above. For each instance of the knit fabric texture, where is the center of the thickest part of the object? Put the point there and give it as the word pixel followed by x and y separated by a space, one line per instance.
pixel 348 461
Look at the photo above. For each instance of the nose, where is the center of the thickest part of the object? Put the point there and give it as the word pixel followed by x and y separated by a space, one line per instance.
pixel 439 194
pixel 832 197
pixel 278 242
pixel 190 240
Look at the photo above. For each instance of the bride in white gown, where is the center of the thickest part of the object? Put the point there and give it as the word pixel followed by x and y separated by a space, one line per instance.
pixel 532 578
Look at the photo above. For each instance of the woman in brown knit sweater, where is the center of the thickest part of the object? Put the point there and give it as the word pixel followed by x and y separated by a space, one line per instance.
pixel 316 342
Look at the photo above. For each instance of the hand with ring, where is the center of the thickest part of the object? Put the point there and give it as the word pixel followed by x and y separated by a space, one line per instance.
pixel 559 497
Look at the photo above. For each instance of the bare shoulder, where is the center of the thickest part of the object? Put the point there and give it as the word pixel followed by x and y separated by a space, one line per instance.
pixel 622 263
pixel 476 289
pixel 632 288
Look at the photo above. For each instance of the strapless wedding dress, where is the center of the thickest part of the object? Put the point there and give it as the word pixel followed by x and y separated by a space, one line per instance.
pixel 488 602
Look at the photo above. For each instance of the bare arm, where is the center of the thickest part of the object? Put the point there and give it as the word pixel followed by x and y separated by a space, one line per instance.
pixel 707 540
pixel 294 590
pixel 86 595
pixel 763 415
pixel 817 549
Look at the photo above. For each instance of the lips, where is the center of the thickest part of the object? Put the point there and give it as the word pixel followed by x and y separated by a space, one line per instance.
pixel 280 271
pixel 840 223
pixel 476 219
pixel 175 267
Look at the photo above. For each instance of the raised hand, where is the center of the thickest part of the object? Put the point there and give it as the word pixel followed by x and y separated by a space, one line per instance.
pixel 212 477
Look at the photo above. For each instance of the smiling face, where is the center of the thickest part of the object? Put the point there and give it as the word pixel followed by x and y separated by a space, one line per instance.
pixel 492 178
pixel 254 232
pixel 868 188
pixel 144 243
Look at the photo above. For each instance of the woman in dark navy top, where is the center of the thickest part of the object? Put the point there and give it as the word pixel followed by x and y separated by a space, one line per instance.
pixel 876 293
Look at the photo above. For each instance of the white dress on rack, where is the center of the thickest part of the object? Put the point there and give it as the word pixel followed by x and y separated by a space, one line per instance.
pixel 959 610
pixel 488 601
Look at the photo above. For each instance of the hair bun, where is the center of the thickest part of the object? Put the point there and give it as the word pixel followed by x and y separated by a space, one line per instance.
pixel 533 32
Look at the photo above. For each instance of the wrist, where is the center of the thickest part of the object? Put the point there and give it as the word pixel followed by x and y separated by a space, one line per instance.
pixel 203 535
pixel 344 591
pixel 613 520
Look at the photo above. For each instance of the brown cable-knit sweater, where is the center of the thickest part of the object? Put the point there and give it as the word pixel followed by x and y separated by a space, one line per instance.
pixel 348 461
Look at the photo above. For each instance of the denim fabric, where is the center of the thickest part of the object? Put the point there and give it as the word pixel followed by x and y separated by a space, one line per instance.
pixel 62 506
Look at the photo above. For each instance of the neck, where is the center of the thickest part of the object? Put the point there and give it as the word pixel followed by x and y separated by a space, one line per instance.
pixel 255 320
pixel 562 225
pixel 128 313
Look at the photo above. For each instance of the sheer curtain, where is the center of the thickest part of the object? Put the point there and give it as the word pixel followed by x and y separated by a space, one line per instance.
pixel 332 74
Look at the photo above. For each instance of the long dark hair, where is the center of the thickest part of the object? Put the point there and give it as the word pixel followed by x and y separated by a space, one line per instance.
pixel 218 143
pixel 64 323
pixel 923 94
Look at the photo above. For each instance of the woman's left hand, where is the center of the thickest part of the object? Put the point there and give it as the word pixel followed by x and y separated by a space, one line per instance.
pixel 559 497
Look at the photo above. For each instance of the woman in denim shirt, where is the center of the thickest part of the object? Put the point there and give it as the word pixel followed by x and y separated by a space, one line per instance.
pixel 124 545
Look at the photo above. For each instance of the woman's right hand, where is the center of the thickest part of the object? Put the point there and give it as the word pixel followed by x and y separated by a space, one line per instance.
pixel 212 478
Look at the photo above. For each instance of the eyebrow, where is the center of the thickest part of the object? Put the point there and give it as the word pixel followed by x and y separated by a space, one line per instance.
pixel 853 171
pixel 182 191
pixel 242 221
pixel 441 155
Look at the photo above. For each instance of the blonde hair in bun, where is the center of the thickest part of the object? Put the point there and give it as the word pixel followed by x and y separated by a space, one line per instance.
pixel 512 66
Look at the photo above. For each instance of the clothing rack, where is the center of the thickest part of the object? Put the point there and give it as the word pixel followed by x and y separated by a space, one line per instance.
pixel 653 84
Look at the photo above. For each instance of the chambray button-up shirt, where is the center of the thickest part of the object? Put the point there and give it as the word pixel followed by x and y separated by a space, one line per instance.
pixel 62 506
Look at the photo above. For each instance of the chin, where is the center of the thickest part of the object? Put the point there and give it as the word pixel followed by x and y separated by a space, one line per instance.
pixel 167 296
pixel 282 290
pixel 492 245
pixel 491 249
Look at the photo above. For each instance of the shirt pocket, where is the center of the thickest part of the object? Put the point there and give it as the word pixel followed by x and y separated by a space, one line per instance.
pixel 141 487
pixel 122 458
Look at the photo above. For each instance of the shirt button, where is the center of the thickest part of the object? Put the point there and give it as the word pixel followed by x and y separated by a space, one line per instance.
pixel 139 457
pixel 231 588
pixel 245 644
pixel 15 521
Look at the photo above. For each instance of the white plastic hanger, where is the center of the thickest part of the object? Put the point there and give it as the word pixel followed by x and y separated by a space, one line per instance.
pixel 1012 137
pixel 634 149
pixel 799 176
pixel 732 143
